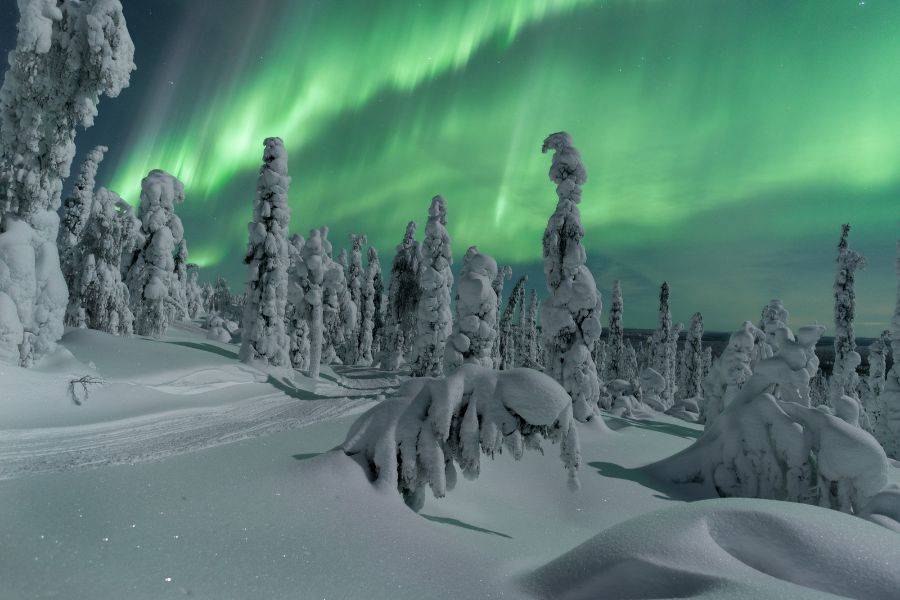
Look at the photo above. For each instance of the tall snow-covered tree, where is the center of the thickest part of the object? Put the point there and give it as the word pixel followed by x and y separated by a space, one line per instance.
pixel 150 278
pixel 433 323
pixel 75 213
pixel 570 315
pixel 355 276
pixel 370 301
pixel 402 300
pixel 843 376
pixel 615 356
pixel 663 347
pixel 193 291
pixel 179 293
pixel 475 326
pixel 529 355
pixel 339 310
pixel 67 55
pixel 503 273
pixel 297 323
pixel 890 438
pixel 263 335
pixel 509 329
pixel 691 382
pixel 307 287
pixel 99 298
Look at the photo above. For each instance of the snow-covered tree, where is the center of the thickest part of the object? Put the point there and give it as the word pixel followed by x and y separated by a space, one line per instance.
pixel 179 293
pixel 763 447
pixel 339 310
pixel 570 315
pixel 663 347
pixel 615 356
pixel 402 301
pixel 67 55
pixel 307 292
pixel 528 354
pixel 132 237
pixel 370 300
pixel 509 330
pixel 503 273
pixel 475 327
pixel 379 301
pixel 355 276
pixel 846 358
pixel 263 335
pixel 872 387
pixel 98 298
pixel 75 213
pixel 433 323
pixel 692 360
pixel 728 373
pixel 150 278
pixel 297 325
pixel 417 438
pixel 891 394
pixel 193 292
pixel 220 301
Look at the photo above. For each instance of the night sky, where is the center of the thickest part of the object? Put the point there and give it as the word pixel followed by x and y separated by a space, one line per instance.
pixel 725 141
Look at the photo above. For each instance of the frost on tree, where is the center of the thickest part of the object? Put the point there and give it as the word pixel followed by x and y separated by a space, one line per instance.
pixel 98 298
pixel 75 212
pixel 67 56
pixel 843 377
pixel 503 273
pixel 402 301
pixel 774 317
pixel 339 311
pixel 728 373
pixel 433 319
pixel 151 277
pixel 263 336
pixel 370 300
pixel 475 327
pixel 418 438
pixel 509 331
pixel 763 447
pixel 570 315
pixel 178 309
pixel 616 368
pixel 891 394
pixel 664 347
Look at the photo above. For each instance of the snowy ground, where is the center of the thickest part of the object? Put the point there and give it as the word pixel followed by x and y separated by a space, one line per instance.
pixel 189 474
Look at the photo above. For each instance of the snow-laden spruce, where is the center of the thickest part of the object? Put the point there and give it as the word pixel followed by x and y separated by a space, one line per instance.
pixel 570 315
pixel 691 379
pixel 615 356
pixel 178 308
pixel 370 301
pixel 338 309
pixel 263 336
pixel 503 273
pixel 193 292
pixel 763 447
pixel 417 438
pixel 402 300
pixel 151 278
pixel 728 373
pixel 891 394
pixel 844 379
pixel 67 55
pixel 528 354
pixel 297 325
pixel 307 293
pixel 355 275
pixel 475 327
pixel 664 347
pixel 98 298
pixel 433 317
pixel 509 328
pixel 76 210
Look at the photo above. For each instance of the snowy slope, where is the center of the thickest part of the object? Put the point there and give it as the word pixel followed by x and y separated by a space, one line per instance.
pixel 233 492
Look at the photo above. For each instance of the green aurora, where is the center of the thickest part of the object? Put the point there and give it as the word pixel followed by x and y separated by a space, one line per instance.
pixel 725 140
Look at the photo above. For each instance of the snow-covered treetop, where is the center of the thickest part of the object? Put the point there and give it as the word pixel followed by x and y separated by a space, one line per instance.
pixel 36 25
pixel 566 169
pixel 160 192
pixel 436 246
pixel 273 184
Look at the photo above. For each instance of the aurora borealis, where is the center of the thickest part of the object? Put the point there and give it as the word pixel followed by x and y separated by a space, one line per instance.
pixel 725 140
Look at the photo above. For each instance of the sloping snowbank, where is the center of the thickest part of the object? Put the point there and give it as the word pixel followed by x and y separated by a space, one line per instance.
pixel 734 548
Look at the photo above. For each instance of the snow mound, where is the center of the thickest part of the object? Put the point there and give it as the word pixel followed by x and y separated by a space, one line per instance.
pixel 728 548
